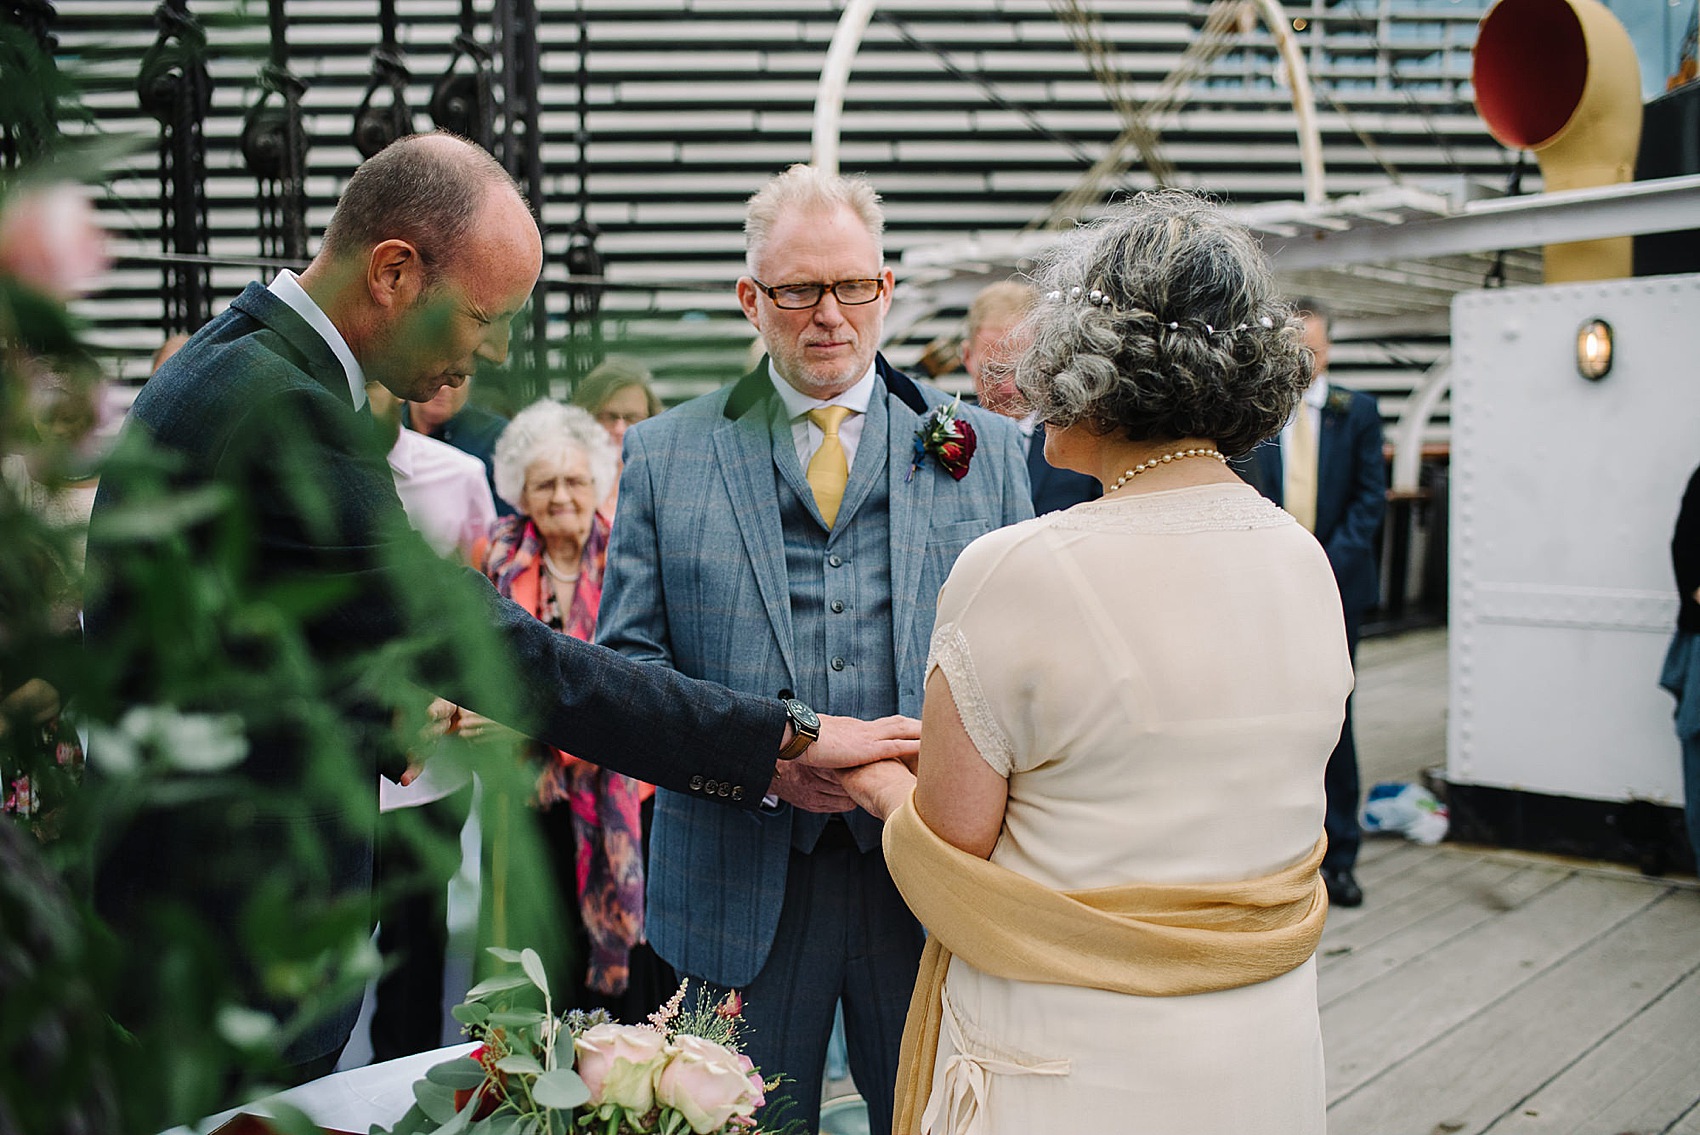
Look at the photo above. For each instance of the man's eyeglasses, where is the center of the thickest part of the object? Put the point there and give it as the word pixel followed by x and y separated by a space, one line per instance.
pixel 847 292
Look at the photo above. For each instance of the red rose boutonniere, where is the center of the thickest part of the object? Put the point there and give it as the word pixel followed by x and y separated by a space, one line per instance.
pixel 945 438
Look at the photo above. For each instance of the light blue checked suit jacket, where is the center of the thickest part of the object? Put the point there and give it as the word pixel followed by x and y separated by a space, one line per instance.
pixel 697 581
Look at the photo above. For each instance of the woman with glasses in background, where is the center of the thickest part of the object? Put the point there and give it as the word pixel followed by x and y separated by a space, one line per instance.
pixel 618 395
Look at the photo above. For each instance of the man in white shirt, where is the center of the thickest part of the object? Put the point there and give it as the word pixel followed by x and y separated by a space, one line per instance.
pixel 443 491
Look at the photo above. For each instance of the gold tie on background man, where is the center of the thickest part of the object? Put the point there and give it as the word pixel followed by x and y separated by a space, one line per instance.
pixel 829 469
pixel 1298 491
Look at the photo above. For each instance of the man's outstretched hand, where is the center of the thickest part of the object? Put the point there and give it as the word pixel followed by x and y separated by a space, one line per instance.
pixel 846 742
pixel 811 782
pixel 811 789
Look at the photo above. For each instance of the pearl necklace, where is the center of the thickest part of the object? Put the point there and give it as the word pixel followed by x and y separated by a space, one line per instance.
pixel 549 566
pixel 1177 455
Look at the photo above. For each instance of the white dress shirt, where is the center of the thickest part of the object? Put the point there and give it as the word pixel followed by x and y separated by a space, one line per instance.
pixel 287 287
pixel 806 434
pixel 443 491
pixel 447 501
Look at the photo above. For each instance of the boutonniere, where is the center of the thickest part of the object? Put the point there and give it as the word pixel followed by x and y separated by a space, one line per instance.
pixel 945 438
pixel 1339 401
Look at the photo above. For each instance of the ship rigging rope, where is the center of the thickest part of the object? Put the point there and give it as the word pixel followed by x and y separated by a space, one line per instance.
pixel 274 146
pixel 172 85
pixel 376 124
pixel 1225 21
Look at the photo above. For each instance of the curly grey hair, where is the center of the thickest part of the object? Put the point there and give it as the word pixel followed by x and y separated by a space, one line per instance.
pixel 549 429
pixel 1191 339
pixel 804 187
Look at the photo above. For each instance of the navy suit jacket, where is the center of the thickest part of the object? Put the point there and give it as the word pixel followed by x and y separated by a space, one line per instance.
pixel 257 406
pixel 1351 491
pixel 1055 489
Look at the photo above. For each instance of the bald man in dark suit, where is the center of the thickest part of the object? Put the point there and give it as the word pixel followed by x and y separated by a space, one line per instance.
pixel 431 253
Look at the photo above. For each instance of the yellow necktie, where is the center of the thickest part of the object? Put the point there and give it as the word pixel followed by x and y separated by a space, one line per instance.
pixel 829 470
pixel 1298 491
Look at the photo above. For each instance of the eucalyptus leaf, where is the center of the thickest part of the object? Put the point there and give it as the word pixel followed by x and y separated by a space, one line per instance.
pixel 463 1073
pixel 470 1013
pixel 516 1018
pixel 560 1088
pixel 503 953
pixel 436 1101
pixel 412 1122
pixel 460 1121
pixel 533 966
pixel 520 1062
pixel 497 985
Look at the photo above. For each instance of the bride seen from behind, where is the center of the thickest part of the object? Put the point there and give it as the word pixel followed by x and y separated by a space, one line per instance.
pixel 1114 836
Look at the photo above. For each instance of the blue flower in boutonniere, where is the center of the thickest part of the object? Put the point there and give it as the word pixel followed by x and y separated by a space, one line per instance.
pixel 945 438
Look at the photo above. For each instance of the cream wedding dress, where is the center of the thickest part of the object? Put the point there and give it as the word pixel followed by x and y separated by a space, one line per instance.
pixel 1161 677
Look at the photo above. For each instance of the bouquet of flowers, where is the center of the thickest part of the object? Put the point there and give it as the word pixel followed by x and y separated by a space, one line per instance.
pixel 538 1074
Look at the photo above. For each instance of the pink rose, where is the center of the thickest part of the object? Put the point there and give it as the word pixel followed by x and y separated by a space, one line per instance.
pixel 618 1063
pixel 708 1084
pixel 50 240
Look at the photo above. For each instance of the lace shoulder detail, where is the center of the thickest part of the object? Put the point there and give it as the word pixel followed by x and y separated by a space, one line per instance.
pixel 1205 508
pixel 949 652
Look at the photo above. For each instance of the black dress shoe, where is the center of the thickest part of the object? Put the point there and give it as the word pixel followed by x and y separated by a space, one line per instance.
pixel 1343 890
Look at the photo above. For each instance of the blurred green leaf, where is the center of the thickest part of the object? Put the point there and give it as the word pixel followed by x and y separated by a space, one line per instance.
pixel 497 984
pixel 560 1088
pixel 287 1120
pixel 516 1018
pixel 505 954
pixel 168 517
pixel 435 1100
pixel 464 1073
pixel 520 1062
pixel 470 1013
pixel 533 966
pixel 244 1027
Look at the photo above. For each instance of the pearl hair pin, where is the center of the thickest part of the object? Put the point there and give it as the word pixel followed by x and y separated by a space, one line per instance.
pixel 1177 455
pixel 1097 297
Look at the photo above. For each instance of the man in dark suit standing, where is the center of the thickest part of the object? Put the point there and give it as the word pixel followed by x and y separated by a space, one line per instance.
pixel 995 340
pixel 1327 469
pixel 429 256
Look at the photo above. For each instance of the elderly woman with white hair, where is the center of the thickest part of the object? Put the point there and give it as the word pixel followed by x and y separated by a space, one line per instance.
pixel 554 464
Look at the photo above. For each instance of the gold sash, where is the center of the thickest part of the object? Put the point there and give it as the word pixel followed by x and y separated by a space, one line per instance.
pixel 1145 939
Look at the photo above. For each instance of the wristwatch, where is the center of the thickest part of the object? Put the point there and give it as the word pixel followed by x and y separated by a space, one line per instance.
pixel 806 726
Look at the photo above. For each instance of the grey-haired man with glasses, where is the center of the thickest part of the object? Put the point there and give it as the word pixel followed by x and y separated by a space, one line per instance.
pixel 780 536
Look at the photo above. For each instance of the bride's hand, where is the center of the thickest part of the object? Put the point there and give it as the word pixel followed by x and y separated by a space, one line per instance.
pixel 880 787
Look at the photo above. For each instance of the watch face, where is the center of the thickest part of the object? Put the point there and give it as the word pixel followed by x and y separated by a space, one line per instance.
pixel 802 716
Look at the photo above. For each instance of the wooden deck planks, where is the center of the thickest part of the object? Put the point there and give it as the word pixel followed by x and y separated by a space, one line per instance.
pixel 1621 947
pixel 1465 895
pixel 1387 1020
pixel 1640 1078
pixel 1483 993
